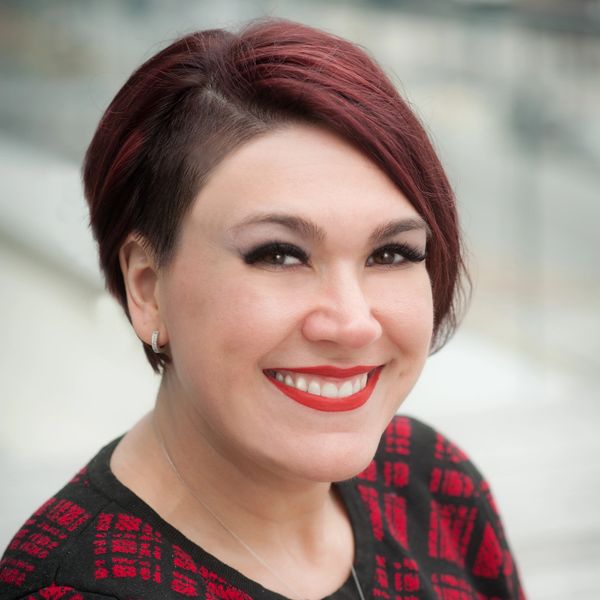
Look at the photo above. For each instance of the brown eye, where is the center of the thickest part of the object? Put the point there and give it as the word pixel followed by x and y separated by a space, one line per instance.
pixel 278 258
pixel 395 255
pixel 276 255
pixel 387 257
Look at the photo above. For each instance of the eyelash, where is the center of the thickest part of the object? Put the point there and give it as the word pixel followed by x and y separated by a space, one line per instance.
pixel 275 248
pixel 407 252
pixel 258 255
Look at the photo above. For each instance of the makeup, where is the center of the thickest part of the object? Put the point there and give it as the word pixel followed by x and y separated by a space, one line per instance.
pixel 323 403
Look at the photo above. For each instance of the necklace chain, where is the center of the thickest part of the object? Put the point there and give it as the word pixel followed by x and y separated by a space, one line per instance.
pixel 232 533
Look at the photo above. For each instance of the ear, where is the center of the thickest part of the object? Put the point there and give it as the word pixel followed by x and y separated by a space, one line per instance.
pixel 140 276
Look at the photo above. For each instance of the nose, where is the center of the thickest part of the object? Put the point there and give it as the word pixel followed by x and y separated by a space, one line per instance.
pixel 342 314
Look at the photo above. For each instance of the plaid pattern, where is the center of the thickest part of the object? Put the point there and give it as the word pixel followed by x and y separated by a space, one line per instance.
pixel 430 530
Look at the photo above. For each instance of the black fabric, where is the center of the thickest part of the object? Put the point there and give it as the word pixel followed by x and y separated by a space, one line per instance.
pixel 424 521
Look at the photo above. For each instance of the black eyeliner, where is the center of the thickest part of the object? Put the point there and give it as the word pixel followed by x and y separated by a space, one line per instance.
pixel 258 253
pixel 410 253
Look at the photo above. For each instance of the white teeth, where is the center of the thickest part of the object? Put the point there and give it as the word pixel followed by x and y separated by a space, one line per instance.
pixel 301 384
pixel 314 388
pixel 329 390
pixel 347 389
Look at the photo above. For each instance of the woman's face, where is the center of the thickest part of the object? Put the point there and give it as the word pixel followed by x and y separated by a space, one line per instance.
pixel 298 253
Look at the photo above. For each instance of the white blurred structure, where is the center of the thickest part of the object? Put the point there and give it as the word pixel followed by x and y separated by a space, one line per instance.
pixel 514 111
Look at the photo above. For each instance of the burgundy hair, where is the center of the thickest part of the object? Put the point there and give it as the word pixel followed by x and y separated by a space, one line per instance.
pixel 192 103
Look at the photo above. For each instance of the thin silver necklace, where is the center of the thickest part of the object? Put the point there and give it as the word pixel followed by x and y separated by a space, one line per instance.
pixel 232 533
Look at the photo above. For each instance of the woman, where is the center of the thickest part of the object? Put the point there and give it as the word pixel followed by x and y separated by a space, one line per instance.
pixel 282 237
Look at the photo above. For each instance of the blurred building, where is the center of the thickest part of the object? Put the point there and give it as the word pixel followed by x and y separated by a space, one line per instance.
pixel 510 91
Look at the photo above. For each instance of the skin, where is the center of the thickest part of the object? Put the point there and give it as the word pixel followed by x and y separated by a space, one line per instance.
pixel 263 462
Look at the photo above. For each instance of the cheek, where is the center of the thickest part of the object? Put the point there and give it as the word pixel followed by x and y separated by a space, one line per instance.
pixel 226 314
pixel 405 310
pixel 254 319
pixel 216 314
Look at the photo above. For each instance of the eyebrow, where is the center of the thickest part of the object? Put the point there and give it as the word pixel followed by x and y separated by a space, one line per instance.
pixel 388 230
pixel 304 227
pixel 312 231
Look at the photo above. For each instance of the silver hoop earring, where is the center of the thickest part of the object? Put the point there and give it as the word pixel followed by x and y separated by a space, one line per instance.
pixel 154 342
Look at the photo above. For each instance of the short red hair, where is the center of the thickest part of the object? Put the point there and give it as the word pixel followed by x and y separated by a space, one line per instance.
pixel 195 101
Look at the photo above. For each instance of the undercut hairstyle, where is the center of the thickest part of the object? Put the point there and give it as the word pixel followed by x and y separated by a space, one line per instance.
pixel 208 93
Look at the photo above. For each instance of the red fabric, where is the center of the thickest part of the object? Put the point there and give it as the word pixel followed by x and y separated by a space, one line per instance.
pixel 426 527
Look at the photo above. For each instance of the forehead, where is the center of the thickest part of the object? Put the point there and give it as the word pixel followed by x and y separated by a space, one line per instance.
pixel 303 170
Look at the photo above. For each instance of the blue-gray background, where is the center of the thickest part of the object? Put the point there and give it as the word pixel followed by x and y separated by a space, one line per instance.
pixel 510 91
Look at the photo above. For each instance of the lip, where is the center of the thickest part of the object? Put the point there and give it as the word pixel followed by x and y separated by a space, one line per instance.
pixel 330 371
pixel 321 403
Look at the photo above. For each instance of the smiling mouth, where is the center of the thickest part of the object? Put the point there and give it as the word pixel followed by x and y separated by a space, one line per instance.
pixel 328 394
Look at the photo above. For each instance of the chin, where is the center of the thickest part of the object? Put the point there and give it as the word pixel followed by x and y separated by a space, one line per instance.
pixel 335 457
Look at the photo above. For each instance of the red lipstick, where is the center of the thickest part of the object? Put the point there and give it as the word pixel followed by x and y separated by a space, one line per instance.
pixel 329 371
pixel 330 404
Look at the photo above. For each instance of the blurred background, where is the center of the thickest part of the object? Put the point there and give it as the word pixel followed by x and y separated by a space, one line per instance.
pixel 510 92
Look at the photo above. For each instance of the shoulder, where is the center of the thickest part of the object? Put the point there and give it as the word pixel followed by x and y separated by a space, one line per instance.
pixel 424 492
pixel 57 592
pixel 432 468
pixel 97 540
pixel 50 539
pixel 432 460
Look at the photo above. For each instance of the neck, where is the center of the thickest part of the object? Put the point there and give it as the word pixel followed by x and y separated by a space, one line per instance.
pixel 216 497
pixel 252 496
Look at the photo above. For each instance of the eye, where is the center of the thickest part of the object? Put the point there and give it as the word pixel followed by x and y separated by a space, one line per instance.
pixel 395 254
pixel 276 254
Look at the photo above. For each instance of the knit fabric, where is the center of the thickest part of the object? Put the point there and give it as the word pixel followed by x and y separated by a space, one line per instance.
pixel 424 521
